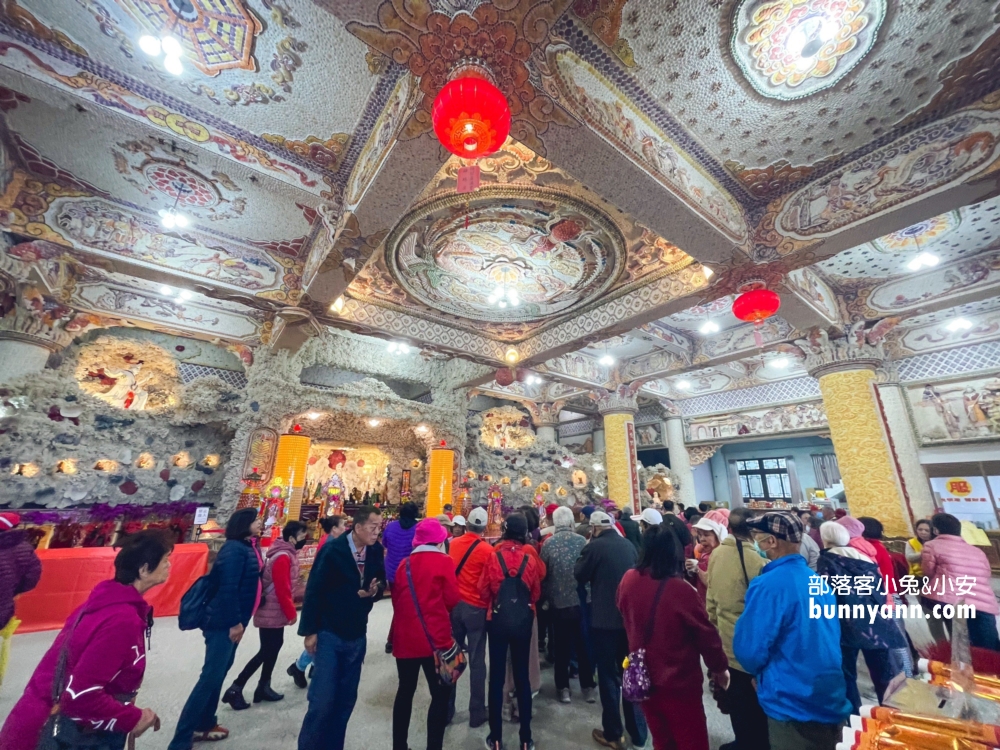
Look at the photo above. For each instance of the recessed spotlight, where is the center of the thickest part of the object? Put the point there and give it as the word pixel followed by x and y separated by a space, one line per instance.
pixel 709 327
pixel 598 467
pixel 421 428
pixel 511 356
pixel 684 385
pixel 959 324
pixel 607 360
pixel 166 291
pixel 150 45
pixel 338 304
pixel 373 423
pixel 184 294
pixel 924 260
pixel 314 415
pixel 780 363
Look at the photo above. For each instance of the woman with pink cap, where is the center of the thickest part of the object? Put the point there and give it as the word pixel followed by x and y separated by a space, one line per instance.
pixel 422 599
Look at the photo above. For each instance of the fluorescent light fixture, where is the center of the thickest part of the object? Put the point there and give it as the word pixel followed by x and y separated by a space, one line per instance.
pixel 184 294
pixel 959 324
pixel 924 260
pixel 684 385
pixel 607 360
pixel 709 327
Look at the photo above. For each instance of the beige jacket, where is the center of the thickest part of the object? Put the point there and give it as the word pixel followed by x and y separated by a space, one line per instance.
pixel 727 588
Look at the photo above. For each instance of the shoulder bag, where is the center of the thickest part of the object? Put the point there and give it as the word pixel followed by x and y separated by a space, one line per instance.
pixel 449 663
pixel 636 683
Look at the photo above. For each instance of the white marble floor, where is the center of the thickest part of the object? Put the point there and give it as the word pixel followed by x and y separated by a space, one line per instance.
pixel 175 660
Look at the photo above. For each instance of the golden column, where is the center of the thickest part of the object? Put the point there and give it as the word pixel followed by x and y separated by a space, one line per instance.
pixel 846 370
pixel 618 410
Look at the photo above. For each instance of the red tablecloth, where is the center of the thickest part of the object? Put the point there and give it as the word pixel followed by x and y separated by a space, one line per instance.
pixel 69 575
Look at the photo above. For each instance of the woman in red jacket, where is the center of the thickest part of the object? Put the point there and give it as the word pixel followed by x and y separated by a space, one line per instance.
pixel 654 592
pixel 276 610
pixel 425 578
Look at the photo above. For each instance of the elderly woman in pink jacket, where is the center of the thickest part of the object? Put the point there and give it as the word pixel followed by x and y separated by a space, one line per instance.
pixel 957 571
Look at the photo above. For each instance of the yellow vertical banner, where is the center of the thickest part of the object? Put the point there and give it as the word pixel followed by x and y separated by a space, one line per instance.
pixel 290 463
pixel 440 472
pixel 620 458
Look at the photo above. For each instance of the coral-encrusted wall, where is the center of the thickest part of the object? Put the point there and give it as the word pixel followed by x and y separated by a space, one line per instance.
pixel 50 425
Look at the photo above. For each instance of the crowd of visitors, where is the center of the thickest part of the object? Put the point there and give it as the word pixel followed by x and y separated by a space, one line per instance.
pixel 654 603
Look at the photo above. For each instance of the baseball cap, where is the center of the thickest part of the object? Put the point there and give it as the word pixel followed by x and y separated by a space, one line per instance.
pixel 477 519
pixel 651 516
pixel 601 519
pixel 459 520
pixel 785 526
pixel 444 520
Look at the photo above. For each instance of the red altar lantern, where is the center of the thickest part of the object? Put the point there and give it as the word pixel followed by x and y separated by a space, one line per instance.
pixel 504 376
pixel 470 115
pixel 756 305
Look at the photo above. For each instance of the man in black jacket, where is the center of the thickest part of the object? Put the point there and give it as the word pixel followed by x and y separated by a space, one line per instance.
pixel 603 563
pixel 346 580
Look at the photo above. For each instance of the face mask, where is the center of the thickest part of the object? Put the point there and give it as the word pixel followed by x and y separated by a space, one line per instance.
pixel 300 544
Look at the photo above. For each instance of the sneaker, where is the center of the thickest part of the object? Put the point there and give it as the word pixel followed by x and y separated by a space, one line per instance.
pixel 590 695
pixel 564 695
pixel 214 734
pixel 492 744
pixel 297 675
pixel 600 739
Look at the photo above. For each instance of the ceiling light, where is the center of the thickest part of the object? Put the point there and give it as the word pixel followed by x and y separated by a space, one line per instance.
pixel 533 380
pixel 781 363
pixel 338 304
pixel 314 415
pixel 169 218
pixel 607 360
pixel 511 356
pixel 166 291
pixel 173 65
pixel 373 423
pixel 709 327
pixel 421 428
pixel 959 324
pixel 708 272
pixel 171 47
pixel 395 347
pixel 598 467
pixel 150 45
pixel 684 385
pixel 924 260
pixel 184 294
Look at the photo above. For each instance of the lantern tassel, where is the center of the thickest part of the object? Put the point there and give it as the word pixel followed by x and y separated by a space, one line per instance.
pixel 758 337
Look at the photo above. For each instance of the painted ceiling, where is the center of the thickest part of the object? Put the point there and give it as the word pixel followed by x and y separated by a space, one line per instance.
pixel 662 154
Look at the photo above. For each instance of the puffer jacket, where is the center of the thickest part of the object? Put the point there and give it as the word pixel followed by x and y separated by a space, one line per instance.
pixel 727 588
pixel 106 659
pixel 236 573
pixel 398 542
pixel 281 569
pixel 946 558
pixel 20 570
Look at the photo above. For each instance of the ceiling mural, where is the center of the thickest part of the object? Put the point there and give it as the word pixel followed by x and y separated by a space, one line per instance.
pixel 912 237
pixel 594 99
pixel 545 254
pixel 941 283
pixel 810 287
pixel 789 49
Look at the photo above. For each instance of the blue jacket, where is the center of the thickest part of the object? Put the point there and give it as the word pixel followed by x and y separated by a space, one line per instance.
pixel 398 542
pixel 331 602
pixel 796 659
pixel 236 574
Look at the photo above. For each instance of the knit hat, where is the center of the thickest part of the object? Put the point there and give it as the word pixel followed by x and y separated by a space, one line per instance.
pixel 719 515
pixel 854 527
pixel 785 526
pixel 562 517
pixel 834 534
pixel 429 531
pixel 551 508
pixel 9 521
pixel 477 519
pixel 601 519
pixel 587 510
pixel 707 524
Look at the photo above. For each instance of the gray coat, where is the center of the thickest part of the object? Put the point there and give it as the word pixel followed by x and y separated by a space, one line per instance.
pixel 603 563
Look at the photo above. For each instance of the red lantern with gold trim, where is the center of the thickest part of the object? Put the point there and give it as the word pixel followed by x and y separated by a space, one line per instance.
pixel 470 115
pixel 756 305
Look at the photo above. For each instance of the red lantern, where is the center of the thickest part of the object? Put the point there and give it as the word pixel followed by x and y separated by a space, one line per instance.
pixel 504 376
pixel 471 117
pixel 756 305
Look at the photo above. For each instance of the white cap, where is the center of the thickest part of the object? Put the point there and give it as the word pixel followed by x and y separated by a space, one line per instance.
pixel 651 516
pixel 602 519
pixel 458 520
pixel 477 519
pixel 707 524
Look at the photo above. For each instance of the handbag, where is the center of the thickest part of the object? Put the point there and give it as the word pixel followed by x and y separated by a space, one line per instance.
pixel 450 663
pixel 636 684
pixel 62 733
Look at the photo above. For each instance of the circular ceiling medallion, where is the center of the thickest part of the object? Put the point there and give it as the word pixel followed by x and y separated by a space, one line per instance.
pixel 180 183
pixel 788 49
pixel 916 236
pixel 470 256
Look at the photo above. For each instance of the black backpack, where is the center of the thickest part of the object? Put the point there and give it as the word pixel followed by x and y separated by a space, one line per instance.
pixel 512 615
